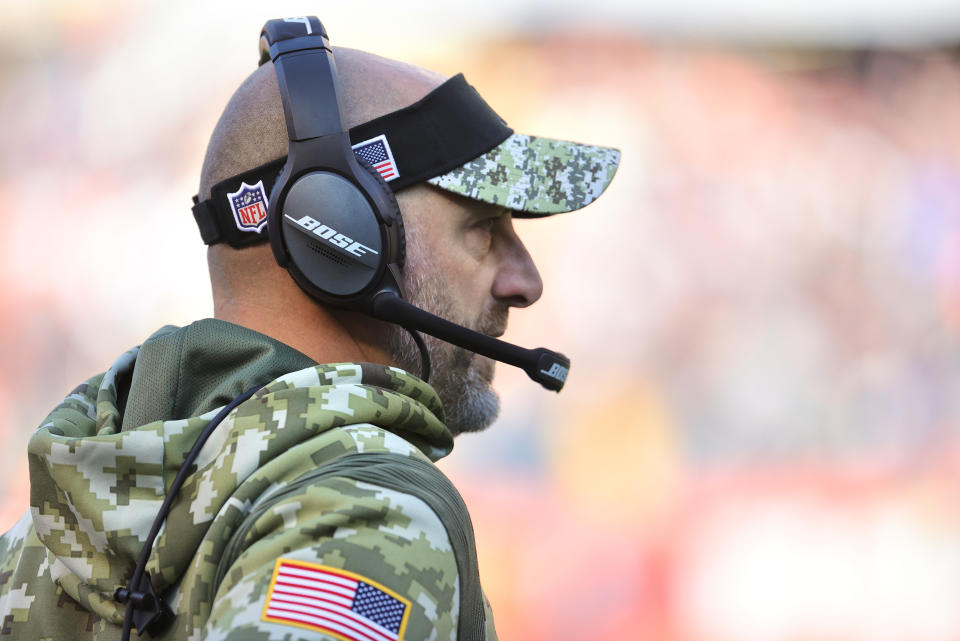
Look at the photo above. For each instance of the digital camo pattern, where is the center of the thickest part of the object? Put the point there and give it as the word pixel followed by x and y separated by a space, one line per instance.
pixel 95 491
pixel 536 176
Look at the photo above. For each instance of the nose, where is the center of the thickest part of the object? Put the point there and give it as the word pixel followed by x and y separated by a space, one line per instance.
pixel 518 282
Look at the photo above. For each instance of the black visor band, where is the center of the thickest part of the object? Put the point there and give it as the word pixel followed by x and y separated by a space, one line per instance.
pixel 445 129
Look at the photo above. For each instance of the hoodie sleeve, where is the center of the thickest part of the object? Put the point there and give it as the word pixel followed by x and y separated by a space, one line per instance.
pixel 344 558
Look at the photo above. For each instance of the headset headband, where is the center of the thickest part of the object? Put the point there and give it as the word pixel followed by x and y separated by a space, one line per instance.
pixel 306 62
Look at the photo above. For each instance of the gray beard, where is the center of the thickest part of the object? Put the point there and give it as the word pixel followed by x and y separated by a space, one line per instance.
pixel 461 378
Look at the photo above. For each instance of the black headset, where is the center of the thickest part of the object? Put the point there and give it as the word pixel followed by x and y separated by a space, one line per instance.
pixel 333 222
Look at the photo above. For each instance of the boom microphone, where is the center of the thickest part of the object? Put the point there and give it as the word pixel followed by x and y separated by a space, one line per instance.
pixel 543 366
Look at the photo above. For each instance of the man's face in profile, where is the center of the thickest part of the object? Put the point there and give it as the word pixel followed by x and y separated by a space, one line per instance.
pixel 466 264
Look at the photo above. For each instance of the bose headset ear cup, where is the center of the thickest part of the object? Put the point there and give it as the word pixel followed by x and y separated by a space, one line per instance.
pixel 334 237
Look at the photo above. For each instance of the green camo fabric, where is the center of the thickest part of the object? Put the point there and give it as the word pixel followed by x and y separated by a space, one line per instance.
pixel 98 479
pixel 535 176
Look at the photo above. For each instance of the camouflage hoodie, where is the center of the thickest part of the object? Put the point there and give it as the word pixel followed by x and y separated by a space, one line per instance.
pixel 314 510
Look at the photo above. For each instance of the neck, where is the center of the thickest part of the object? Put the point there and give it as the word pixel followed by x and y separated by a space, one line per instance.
pixel 324 334
pixel 251 290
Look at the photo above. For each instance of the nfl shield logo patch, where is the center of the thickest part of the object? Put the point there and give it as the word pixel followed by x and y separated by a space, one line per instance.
pixel 249 207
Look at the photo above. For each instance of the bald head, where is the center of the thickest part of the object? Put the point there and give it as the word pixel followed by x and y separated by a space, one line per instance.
pixel 252 130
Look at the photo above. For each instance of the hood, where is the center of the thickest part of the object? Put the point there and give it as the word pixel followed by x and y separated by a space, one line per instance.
pixel 102 461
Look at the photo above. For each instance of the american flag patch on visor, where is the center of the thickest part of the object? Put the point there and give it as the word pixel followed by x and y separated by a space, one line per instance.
pixel 326 599
pixel 376 151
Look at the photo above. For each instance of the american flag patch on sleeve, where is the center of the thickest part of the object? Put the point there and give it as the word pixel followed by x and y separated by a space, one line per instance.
pixel 331 600
pixel 376 151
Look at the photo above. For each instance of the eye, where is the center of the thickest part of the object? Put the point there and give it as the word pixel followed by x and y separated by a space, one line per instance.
pixel 486 224
pixel 480 235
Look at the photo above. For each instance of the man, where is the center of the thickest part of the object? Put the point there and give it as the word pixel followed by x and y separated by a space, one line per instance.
pixel 301 499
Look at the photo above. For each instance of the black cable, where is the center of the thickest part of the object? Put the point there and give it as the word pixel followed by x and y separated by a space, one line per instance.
pixel 424 355
pixel 133 595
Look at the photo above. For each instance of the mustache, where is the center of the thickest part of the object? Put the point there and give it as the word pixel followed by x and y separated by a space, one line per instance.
pixel 493 321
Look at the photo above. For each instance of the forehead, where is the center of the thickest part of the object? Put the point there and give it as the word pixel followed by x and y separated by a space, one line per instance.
pixel 427 204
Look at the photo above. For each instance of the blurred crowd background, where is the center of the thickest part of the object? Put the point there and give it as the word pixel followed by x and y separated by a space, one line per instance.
pixel 759 438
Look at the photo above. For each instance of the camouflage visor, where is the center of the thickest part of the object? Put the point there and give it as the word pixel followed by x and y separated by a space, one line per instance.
pixel 451 138
pixel 535 176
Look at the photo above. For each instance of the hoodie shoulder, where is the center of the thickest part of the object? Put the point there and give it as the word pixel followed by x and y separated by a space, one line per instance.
pixel 387 534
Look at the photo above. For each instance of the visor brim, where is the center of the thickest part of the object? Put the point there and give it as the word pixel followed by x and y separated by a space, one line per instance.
pixel 534 176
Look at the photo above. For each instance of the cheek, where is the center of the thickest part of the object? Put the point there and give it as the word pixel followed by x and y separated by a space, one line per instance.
pixel 457 260
pixel 454 262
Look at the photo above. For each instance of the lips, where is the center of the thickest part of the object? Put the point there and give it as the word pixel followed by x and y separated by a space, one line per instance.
pixel 494 322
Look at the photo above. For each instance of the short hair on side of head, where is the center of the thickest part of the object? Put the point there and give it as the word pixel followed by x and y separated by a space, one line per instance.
pixel 251 131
